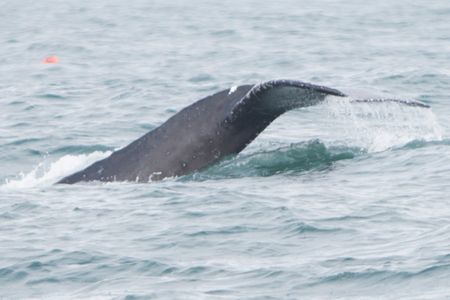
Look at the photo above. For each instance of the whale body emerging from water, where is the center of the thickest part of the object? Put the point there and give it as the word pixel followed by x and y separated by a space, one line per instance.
pixel 208 130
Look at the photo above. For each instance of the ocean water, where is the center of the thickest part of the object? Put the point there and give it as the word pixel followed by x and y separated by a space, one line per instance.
pixel 335 201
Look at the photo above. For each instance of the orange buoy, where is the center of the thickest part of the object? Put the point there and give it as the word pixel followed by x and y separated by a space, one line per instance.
pixel 51 60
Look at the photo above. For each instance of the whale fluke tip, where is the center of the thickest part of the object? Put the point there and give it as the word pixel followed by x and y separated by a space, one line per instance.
pixel 400 101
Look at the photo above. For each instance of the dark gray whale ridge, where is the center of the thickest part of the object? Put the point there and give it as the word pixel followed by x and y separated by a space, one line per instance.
pixel 204 132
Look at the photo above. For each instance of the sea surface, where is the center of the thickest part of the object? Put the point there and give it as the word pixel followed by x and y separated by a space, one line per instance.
pixel 337 201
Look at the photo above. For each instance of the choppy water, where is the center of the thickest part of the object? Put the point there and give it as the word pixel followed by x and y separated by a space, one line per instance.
pixel 338 201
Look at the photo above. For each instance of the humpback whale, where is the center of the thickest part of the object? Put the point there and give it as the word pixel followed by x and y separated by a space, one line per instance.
pixel 208 130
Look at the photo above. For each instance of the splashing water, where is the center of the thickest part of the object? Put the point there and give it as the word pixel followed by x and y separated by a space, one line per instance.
pixel 46 173
pixel 380 126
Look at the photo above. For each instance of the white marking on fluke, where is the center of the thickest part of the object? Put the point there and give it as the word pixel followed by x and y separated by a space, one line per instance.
pixel 232 89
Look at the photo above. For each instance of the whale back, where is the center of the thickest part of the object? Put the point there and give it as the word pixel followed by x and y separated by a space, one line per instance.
pixel 187 141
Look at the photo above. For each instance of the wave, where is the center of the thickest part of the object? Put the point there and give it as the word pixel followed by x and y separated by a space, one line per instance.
pixel 47 172
pixel 416 144
pixel 310 156
pixel 376 275
pixel 293 159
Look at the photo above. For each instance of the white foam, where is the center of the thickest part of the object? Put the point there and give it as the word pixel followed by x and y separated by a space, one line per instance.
pixel 47 173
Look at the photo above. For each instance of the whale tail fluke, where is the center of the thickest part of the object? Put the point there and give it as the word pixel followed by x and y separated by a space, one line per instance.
pixel 278 96
pixel 400 101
